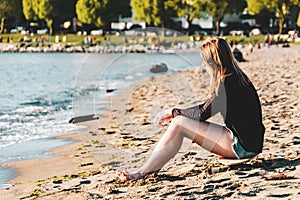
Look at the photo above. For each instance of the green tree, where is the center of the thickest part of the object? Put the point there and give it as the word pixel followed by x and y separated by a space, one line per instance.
pixel 153 12
pixel 282 8
pixel 47 12
pixel 219 8
pixel 28 9
pixel 9 9
pixel 146 10
pixel 139 8
pixel 52 11
pixel 91 11
pixel 40 9
pixel 190 9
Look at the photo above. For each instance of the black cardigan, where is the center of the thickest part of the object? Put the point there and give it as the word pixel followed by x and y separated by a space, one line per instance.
pixel 241 110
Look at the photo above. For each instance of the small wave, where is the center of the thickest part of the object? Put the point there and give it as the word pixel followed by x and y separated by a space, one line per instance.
pixel 82 91
pixel 129 77
pixel 40 101
pixel 4 117
pixel 46 101
pixel 62 103
pixel 11 118
pixel 4 126
pixel 32 110
pixel 34 103
pixel 116 84
pixel 17 133
pixel 5 186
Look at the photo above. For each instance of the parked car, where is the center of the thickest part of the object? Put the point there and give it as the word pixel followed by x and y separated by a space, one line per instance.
pixel 18 29
pixel 97 32
pixel 42 31
pixel 14 30
pixel 255 31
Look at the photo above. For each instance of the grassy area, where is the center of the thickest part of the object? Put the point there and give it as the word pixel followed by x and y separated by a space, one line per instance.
pixel 73 39
pixel 296 43
pixel 246 40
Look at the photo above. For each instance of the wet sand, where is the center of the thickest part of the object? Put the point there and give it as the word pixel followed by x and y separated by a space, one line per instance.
pixel 86 169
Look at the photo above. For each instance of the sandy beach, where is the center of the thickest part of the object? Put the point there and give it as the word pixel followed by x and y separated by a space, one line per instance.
pixel 124 139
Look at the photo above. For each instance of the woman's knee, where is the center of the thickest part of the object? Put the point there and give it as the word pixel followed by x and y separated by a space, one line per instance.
pixel 182 126
pixel 178 120
pixel 175 126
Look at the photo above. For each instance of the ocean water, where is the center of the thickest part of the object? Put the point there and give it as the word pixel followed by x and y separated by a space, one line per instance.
pixel 35 95
pixel 40 92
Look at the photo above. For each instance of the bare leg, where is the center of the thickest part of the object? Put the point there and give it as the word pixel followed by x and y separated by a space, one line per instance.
pixel 212 137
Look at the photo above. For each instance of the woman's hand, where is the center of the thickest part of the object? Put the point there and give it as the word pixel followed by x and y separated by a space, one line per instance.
pixel 161 117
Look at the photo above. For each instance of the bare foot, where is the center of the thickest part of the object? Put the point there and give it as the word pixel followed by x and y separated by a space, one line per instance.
pixel 126 176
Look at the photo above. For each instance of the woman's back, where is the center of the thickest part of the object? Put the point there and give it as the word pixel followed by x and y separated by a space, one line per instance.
pixel 243 113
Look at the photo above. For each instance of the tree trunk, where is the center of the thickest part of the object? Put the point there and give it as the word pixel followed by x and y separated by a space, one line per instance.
pixel 189 29
pixel 2 24
pixel 217 24
pixel 50 25
pixel 281 21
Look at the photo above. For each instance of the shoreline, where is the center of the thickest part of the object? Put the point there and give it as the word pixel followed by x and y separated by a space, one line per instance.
pixel 76 170
pixel 30 150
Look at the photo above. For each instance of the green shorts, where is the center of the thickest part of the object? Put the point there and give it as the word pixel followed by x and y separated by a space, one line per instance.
pixel 238 149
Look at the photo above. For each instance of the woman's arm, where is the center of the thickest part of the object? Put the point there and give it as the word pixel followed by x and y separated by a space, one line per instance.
pixel 161 117
pixel 200 112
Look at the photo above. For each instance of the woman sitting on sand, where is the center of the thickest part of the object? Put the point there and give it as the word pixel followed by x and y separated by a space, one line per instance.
pixel 233 95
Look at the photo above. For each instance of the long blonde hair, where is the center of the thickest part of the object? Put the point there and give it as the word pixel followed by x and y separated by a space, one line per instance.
pixel 217 55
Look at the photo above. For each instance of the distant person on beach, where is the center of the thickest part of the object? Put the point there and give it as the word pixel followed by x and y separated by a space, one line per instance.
pixel 269 40
pixel 233 95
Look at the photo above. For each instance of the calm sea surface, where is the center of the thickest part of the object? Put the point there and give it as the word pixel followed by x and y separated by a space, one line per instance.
pixel 40 92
